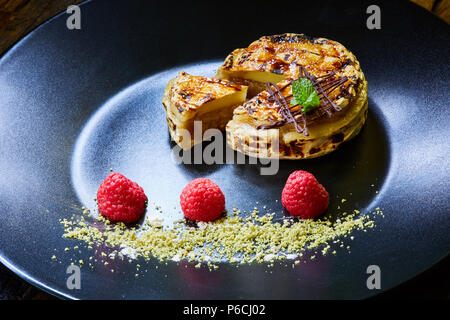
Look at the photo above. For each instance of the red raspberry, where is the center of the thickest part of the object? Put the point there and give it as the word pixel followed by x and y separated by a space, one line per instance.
pixel 120 199
pixel 304 196
pixel 202 200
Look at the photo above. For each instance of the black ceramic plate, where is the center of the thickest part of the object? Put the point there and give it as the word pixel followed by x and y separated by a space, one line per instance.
pixel 74 103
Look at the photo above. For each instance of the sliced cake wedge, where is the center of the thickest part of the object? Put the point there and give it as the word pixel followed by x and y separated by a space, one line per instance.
pixel 188 99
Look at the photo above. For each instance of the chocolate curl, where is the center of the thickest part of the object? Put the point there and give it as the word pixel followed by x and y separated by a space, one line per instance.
pixel 285 112
pixel 288 114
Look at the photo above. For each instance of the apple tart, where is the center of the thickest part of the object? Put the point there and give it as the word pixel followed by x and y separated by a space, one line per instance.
pixel 285 96
pixel 269 124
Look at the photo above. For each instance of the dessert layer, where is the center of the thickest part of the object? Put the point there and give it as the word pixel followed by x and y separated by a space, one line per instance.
pixel 190 98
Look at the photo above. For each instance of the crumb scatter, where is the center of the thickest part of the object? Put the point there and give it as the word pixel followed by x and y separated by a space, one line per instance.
pixel 235 238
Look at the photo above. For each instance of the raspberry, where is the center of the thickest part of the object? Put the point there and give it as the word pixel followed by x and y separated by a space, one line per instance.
pixel 202 200
pixel 120 199
pixel 304 196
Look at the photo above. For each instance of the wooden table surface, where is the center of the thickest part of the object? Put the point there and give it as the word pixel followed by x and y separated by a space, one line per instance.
pixel 18 17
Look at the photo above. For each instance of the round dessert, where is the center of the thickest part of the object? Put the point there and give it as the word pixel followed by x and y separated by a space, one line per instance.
pixel 272 124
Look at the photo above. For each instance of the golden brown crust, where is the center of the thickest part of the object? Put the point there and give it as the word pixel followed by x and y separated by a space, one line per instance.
pixel 285 55
pixel 281 54
pixel 188 93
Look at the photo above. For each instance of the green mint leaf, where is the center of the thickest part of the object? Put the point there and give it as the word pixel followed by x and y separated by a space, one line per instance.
pixel 305 94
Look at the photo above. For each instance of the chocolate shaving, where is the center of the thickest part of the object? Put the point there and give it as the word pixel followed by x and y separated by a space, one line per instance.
pixel 285 112
pixel 292 114
pixel 323 91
